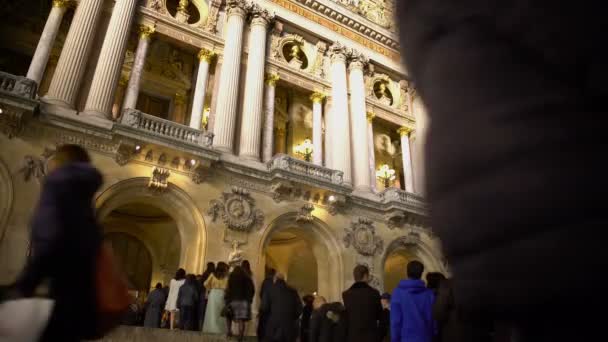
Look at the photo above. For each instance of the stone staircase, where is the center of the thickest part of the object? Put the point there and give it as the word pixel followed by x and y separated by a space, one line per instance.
pixel 140 334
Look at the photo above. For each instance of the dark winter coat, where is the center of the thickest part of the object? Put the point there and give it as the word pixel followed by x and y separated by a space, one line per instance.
pixel 515 174
pixel 267 284
pixel 283 307
pixel 155 305
pixel 363 311
pixel 239 287
pixel 188 294
pixel 328 323
pixel 412 312
pixel 65 241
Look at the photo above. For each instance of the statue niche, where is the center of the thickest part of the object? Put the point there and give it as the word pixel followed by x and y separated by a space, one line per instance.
pixel 294 55
pixel 382 93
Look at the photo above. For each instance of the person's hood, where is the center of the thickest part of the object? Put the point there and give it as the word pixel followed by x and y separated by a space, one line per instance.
pixel 77 180
pixel 413 286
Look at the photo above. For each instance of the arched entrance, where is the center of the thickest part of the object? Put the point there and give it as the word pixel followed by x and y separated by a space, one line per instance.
pixel 403 250
pixel 135 259
pixel 306 252
pixel 169 224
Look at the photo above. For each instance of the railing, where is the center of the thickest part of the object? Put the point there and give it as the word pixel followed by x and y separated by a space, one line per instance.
pixel 17 85
pixel 300 167
pixel 398 195
pixel 165 128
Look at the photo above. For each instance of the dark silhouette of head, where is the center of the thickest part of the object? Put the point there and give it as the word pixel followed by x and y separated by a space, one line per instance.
pixel 180 274
pixel 246 267
pixel 270 272
pixel 361 273
pixel 158 286
pixel 308 299
pixel 434 279
pixel 66 154
pixel 210 267
pixel 221 271
pixel 415 269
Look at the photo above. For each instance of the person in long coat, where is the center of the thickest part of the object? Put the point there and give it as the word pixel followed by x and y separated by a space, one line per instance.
pixel 283 307
pixel 267 284
pixel 363 308
pixel 328 323
pixel 155 305
pixel 187 303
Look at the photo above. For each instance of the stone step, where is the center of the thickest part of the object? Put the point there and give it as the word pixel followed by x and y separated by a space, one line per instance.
pixel 141 334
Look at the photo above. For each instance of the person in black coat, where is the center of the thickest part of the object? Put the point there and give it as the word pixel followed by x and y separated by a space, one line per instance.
pixel 267 284
pixel 65 242
pixel 187 303
pixel 363 308
pixel 385 320
pixel 305 321
pixel 283 307
pixel 239 296
pixel 514 154
pixel 327 322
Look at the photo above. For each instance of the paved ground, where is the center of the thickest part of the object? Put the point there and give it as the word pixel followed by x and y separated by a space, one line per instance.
pixel 140 334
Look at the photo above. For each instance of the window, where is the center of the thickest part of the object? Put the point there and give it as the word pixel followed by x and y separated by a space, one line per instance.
pixel 153 105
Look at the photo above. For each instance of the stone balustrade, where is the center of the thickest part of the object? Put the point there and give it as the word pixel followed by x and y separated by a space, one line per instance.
pixel 165 128
pixel 303 168
pixel 17 85
pixel 402 196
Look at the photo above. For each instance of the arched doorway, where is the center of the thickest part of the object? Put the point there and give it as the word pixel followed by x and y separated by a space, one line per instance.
pixel 135 259
pixel 403 250
pixel 306 252
pixel 183 228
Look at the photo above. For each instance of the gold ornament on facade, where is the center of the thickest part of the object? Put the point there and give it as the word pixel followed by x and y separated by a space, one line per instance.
pixel 145 31
pixel 370 116
pixel 404 131
pixel 272 79
pixel 317 97
pixel 382 93
pixel 180 99
pixel 206 55
pixel 183 6
pixel 63 3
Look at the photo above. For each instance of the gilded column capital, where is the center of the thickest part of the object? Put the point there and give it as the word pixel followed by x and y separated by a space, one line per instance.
pixel 206 55
pixel 64 3
pixel 338 52
pixel 404 131
pixel 145 31
pixel 238 7
pixel 123 81
pixel 261 16
pixel 317 97
pixel 179 99
pixel 370 116
pixel 272 79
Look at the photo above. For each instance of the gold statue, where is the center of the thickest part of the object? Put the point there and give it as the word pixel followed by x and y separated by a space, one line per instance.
pixel 295 53
pixel 383 94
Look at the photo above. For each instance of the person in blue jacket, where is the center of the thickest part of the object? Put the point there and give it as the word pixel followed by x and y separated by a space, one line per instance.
pixel 412 308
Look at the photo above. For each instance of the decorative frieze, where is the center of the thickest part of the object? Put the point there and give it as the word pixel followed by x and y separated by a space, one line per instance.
pixel 362 236
pixel 237 210
pixel 159 180
pixel 305 213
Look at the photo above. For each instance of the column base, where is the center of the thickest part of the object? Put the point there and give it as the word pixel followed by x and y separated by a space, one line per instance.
pixel 223 149
pixel 56 102
pixel 250 157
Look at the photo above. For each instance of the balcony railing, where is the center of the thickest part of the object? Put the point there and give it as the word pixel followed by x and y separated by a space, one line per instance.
pixel 398 195
pixel 17 85
pixel 300 167
pixel 165 128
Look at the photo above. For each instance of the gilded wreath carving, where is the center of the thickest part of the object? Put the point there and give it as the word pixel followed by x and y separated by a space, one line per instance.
pixel 362 236
pixel 237 210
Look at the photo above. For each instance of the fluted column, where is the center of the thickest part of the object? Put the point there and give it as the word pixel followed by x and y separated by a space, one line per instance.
pixel 372 153
pixel 404 132
pixel 107 72
pixel 358 124
pixel 328 135
pixel 74 55
pixel 317 127
pixel 205 58
pixel 138 66
pixel 225 119
pixel 253 99
pixel 268 137
pixel 119 98
pixel 47 39
pixel 339 122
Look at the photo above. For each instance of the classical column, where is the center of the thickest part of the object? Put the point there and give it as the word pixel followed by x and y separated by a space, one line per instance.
pixel 119 98
pixel 216 89
pixel 138 66
pixel 253 99
pixel 327 136
pixel 372 153
pixel 74 55
pixel 280 139
pixel 358 113
pixel 107 72
pixel 47 39
pixel 225 119
pixel 339 121
pixel 317 128
pixel 404 132
pixel 196 117
pixel 268 137
pixel 179 108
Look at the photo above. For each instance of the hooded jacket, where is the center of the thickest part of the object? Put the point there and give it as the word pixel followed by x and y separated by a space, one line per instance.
pixel 412 312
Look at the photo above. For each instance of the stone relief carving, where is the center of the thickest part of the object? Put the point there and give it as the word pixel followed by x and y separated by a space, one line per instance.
pixel 212 17
pixel 380 87
pixel 404 92
pixel 305 214
pixel 198 175
pixel 35 167
pixel 157 5
pixel 378 11
pixel 235 257
pixel 159 180
pixel 237 210
pixel 396 220
pixel 11 123
pixel 384 145
pixel 319 65
pixel 124 154
pixel 362 236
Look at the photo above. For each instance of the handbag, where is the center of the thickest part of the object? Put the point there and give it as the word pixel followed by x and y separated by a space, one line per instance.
pixel 113 298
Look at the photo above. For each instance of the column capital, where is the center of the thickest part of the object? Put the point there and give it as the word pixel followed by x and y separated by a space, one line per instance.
pixel 338 52
pixel 370 116
pixel 238 7
pixel 404 131
pixel 123 81
pixel 272 79
pixel 179 99
pixel 261 16
pixel 206 55
pixel 317 97
pixel 145 31
pixel 64 3
pixel 358 61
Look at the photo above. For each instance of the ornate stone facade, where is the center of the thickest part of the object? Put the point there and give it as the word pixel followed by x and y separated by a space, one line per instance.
pixel 237 210
pixel 362 236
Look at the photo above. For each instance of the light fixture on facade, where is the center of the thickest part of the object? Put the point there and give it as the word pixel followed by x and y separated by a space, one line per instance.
pixel 331 198
pixel 1 111
pixel 137 148
pixel 305 149
pixel 192 162
pixel 386 175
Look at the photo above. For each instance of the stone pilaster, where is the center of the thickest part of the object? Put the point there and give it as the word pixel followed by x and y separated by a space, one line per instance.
pixel 253 99
pixel 107 72
pixel 74 55
pixel 225 119
pixel 404 132
pixel 359 143
pixel 339 118
pixel 119 98
pixel 317 127
pixel 205 58
pixel 268 136
pixel 47 39
pixel 138 66
pixel 372 152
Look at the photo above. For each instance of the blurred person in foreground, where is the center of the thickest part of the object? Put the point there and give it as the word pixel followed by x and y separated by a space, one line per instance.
pixel 363 308
pixel 515 92
pixel 385 320
pixel 305 320
pixel 327 322
pixel 65 241
pixel 282 306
